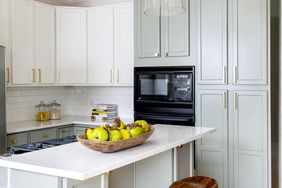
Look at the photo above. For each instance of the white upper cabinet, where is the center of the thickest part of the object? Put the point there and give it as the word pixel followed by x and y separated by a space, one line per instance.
pixel 148 33
pixel 124 45
pixel 71 45
pixel 249 41
pixel 100 45
pixel 45 43
pixel 23 42
pixel 110 45
pixel 212 42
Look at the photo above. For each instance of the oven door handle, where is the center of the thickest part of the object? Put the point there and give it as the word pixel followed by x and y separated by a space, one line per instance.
pixel 156 117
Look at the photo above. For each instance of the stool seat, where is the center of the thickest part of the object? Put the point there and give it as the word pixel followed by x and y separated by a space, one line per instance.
pixel 195 182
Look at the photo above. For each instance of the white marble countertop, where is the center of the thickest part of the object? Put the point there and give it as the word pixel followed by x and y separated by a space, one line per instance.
pixel 75 161
pixel 30 125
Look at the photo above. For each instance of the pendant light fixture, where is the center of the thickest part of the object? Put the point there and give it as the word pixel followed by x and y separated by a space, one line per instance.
pixel 163 7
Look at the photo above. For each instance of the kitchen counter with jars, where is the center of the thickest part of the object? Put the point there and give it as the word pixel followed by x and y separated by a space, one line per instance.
pixel 31 125
pixel 165 157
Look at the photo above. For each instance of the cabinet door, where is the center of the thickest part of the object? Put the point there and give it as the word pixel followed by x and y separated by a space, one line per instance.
pixel 155 171
pixel 148 33
pixel 176 34
pixel 124 48
pixel 42 135
pixel 5 35
pixel 250 139
pixel 100 45
pixel 65 131
pixel 212 42
pixel 250 41
pixel 45 42
pixel 71 45
pixel 212 150
pixel 23 42
pixel 17 139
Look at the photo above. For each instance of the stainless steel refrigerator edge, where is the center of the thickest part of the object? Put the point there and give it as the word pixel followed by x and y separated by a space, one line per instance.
pixel 3 135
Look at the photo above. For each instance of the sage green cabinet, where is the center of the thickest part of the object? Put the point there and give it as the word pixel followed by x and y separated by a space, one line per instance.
pixel 212 150
pixel 42 135
pixel 165 41
pixel 17 139
pixel 155 171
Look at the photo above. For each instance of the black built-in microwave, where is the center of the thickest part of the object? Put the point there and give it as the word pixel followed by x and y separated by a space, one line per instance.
pixel 165 94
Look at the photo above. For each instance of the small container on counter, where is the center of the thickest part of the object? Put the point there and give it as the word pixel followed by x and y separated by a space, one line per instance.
pixel 42 112
pixel 55 110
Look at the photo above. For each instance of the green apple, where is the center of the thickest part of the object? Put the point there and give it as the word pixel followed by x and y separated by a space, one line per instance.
pixel 143 124
pixel 100 134
pixel 136 131
pixel 115 135
pixel 125 134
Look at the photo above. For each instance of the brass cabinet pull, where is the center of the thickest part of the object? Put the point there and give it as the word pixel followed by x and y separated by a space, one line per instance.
pixel 8 75
pixel 39 75
pixel 224 74
pixel 117 75
pixel 14 141
pixel 166 54
pixel 33 75
pixel 45 135
pixel 157 54
pixel 111 76
pixel 235 74
pixel 235 101
pixel 58 76
pixel 224 100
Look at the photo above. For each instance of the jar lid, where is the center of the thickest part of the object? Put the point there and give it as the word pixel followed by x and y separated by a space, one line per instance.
pixel 54 103
pixel 41 104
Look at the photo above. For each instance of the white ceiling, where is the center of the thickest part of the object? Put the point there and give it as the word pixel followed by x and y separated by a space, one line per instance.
pixel 82 3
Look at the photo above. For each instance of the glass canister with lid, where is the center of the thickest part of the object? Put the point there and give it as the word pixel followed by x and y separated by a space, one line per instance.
pixel 42 112
pixel 55 110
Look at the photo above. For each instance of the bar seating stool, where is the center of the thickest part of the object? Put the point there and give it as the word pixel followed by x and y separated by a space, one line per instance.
pixel 195 182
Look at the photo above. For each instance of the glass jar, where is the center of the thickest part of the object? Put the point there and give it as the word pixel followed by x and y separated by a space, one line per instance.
pixel 55 110
pixel 42 112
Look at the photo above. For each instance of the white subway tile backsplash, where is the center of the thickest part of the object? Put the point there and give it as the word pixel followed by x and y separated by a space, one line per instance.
pixel 21 101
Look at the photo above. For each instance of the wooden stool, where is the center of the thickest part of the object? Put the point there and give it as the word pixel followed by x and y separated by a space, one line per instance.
pixel 195 182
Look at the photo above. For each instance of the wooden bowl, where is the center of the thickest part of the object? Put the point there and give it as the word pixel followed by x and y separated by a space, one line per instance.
pixel 113 146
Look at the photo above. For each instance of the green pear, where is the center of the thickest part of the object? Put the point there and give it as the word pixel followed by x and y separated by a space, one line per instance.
pixel 115 135
pixel 143 124
pixel 99 133
pixel 136 131
pixel 125 134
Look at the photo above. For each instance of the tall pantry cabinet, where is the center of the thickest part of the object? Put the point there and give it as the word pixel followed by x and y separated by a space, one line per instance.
pixel 233 92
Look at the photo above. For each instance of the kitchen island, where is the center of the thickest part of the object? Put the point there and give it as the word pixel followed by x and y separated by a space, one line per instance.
pixel 162 159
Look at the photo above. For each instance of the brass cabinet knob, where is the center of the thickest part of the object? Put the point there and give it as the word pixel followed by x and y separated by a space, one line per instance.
pixel 109 172
pixel 14 141
pixel 166 54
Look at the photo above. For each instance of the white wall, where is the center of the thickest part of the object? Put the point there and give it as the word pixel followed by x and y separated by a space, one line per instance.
pixel 21 101
pixel 81 99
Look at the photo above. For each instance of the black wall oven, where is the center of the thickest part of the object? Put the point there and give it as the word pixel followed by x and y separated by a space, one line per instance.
pixel 165 95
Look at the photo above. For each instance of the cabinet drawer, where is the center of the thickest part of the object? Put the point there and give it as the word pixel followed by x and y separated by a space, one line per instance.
pixel 79 130
pixel 46 134
pixel 66 131
pixel 17 139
